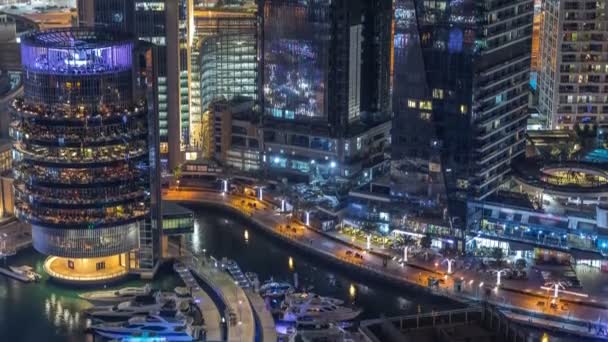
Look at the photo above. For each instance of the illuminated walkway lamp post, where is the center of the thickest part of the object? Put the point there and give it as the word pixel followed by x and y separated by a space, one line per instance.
pixel 499 274
pixel 449 262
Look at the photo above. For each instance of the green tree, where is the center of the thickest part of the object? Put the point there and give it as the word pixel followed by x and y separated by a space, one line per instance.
pixel 177 172
pixel 426 241
pixel 498 255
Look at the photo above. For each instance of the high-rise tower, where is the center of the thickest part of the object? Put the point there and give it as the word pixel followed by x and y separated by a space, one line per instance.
pixel 165 24
pixel 312 83
pixel 460 96
pixel 86 153
pixel 572 80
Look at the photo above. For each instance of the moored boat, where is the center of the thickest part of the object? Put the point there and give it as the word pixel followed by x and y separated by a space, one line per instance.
pixel 150 327
pixel 115 296
pixel 326 309
pixel 26 271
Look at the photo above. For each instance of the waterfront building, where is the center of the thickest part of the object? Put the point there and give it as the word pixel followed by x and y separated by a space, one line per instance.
pixel 573 82
pixel 224 64
pixel 315 127
pixel 460 98
pixel 521 228
pixel 237 134
pixel 165 24
pixel 86 153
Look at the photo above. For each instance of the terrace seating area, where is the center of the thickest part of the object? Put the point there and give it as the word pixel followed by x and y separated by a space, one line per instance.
pixel 79 217
pixel 75 112
pixel 34 173
pixel 78 135
pixel 102 154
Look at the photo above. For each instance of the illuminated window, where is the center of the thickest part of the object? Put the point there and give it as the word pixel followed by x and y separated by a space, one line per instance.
pixel 411 103
pixel 463 109
pixel 425 116
pixel 427 105
pixel 438 94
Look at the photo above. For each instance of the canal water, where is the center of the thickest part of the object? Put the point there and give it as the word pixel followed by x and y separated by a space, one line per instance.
pixel 52 313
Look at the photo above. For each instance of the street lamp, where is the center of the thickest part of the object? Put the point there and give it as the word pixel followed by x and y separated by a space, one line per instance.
pixel 498 274
pixel 449 261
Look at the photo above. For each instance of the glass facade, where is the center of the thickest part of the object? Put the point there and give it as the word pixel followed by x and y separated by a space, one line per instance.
pixel 225 52
pixel 296 47
pixel 460 96
pixel 83 161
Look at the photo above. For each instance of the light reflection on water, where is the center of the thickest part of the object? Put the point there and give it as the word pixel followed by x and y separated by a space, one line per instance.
pixel 46 311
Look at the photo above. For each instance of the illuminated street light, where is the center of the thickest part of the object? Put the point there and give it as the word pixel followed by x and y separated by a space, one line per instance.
pixel 449 261
pixel 332 164
pixel 498 274
pixel 224 185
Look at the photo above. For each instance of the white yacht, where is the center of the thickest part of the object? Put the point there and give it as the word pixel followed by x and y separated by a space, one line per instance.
pixel 308 329
pixel 140 305
pixel 275 289
pixel 115 296
pixel 325 309
pixel 26 271
pixel 150 327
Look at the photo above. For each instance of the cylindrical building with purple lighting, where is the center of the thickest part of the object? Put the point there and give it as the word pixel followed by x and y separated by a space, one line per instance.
pixel 81 151
pixel 79 68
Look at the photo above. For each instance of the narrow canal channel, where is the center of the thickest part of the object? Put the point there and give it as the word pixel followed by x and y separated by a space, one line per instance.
pixel 51 313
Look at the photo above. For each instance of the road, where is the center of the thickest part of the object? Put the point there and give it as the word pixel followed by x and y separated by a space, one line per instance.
pixel 277 223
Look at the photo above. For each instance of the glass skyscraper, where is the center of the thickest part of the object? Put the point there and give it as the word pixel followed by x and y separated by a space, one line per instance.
pixel 164 24
pixel 312 82
pixel 460 96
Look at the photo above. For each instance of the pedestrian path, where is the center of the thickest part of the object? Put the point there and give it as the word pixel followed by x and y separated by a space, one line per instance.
pixel 269 331
pixel 211 314
pixel 379 265
pixel 240 319
pixel 589 331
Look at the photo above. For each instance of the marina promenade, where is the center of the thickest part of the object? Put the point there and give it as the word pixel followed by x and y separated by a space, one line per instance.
pixel 211 315
pixel 474 289
pixel 243 327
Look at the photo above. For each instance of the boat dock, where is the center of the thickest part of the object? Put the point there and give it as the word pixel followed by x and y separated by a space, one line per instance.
pixel 236 273
pixel 263 315
pixel 211 315
pixel 14 275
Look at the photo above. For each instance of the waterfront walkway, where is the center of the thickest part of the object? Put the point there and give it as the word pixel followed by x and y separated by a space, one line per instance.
pixel 211 315
pixel 265 217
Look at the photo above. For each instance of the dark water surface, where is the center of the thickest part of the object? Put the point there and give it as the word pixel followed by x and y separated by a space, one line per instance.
pixel 51 313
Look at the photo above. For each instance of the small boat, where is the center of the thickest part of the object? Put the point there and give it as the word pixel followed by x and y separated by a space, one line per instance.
pixel 182 291
pixel 150 327
pixel 275 289
pixel 253 278
pixel 235 272
pixel 140 305
pixel 26 271
pixel 115 296
pixel 326 309
pixel 311 329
